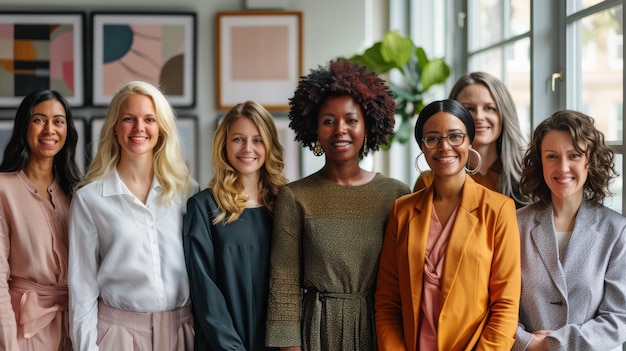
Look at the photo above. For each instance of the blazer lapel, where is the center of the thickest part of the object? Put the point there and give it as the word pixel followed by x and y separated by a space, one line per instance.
pixel 584 227
pixel 417 248
pixel 544 239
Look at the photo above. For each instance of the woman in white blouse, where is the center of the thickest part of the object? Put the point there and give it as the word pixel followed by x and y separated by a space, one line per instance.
pixel 127 279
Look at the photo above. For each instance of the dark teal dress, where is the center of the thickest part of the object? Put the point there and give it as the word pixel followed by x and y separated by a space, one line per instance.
pixel 228 269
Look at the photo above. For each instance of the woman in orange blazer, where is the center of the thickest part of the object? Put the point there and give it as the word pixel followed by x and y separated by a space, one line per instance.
pixel 449 276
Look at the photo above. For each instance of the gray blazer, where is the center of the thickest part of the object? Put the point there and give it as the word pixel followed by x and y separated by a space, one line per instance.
pixel 584 299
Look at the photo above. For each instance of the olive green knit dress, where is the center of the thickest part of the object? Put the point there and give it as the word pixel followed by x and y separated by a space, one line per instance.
pixel 325 247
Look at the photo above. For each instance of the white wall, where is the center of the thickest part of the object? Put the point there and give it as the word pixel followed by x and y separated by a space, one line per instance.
pixel 331 28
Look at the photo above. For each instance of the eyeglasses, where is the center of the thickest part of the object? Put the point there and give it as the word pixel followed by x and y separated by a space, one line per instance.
pixel 454 139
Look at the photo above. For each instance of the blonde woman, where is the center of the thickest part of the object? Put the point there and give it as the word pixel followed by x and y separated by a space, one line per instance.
pixel 127 279
pixel 227 232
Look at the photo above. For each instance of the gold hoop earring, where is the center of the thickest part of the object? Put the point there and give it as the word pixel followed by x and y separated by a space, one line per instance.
pixel 317 149
pixel 365 148
pixel 479 163
pixel 417 166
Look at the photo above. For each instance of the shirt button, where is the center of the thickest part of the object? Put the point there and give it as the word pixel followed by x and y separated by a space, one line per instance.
pixel 36 191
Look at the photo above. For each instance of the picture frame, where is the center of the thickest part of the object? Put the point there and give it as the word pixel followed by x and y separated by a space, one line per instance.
pixel 293 149
pixel 159 48
pixel 91 147
pixel 81 156
pixel 187 132
pixel 259 57
pixel 42 50
pixel 6 129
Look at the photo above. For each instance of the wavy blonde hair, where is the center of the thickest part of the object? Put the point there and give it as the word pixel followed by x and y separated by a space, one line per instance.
pixel 225 183
pixel 169 165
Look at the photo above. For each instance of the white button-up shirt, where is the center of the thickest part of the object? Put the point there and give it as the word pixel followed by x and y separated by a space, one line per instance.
pixel 124 252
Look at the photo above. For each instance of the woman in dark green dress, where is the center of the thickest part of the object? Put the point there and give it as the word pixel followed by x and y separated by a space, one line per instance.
pixel 227 232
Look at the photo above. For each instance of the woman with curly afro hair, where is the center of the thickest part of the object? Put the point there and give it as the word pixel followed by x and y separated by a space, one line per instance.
pixel 329 226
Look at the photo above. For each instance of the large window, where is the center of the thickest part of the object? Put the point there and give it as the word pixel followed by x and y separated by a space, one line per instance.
pixel 552 55
pixel 594 72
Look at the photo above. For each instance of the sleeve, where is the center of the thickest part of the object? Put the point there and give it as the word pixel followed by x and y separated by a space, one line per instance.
pixel 522 338
pixel 8 327
pixel 285 287
pixel 84 263
pixel 607 330
pixel 388 305
pixel 213 319
pixel 504 282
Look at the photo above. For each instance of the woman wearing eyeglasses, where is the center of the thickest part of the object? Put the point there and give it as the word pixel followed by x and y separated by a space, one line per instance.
pixel 449 276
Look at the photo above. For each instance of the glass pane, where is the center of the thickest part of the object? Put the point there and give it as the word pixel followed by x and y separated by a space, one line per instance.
pixel 520 17
pixel 597 53
pixel 577 5
pixel 492 21
pixel 615 202
pixel 515 74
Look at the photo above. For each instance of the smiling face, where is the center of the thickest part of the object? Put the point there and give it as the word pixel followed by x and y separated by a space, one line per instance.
pixel 137 128
pixel 47 130
pixel 340 129
pixel 477 99
pixel 445 160
pixel 245 150
pixel 564 168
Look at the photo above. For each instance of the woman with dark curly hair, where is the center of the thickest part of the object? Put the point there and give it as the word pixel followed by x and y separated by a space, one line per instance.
pixel 573 248
pixel 328 227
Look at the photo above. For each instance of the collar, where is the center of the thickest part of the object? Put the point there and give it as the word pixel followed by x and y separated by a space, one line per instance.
pixel 112 185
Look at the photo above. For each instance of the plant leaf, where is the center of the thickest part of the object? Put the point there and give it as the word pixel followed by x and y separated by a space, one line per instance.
pixel 396 49
pixel 433 73
pixel 404 131
pixel 422 59
pixel 373 59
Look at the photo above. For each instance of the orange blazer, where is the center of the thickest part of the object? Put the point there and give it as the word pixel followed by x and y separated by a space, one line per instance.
pixel 480 286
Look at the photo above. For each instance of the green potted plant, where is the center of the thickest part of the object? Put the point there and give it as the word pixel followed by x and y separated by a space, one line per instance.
pixel 398 52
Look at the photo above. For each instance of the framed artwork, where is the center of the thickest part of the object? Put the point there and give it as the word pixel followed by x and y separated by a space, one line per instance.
pixel 95 126
pixel 159 48
pixel 293 148
pixel 42 50
pixel 187 132
pixel 6 128
pixel 81 155
pixel 259 57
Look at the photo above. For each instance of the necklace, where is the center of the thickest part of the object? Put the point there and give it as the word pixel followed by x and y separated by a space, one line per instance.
pixel 251 201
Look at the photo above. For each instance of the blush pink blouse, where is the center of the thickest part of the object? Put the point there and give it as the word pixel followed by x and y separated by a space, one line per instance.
pixel 436 246
pixel 33 265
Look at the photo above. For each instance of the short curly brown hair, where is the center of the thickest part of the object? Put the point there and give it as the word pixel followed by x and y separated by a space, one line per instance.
pixel 587 140
pixel 343 77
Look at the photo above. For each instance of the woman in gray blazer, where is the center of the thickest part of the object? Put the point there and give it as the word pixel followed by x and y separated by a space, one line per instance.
pixel 573 248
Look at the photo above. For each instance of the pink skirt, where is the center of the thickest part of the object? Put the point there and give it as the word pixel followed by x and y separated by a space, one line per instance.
pixel 139 331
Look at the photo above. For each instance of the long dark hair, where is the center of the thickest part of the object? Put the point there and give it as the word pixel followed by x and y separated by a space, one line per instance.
pixel 17 154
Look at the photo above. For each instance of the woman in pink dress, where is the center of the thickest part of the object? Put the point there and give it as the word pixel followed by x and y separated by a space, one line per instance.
pixel 37 176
